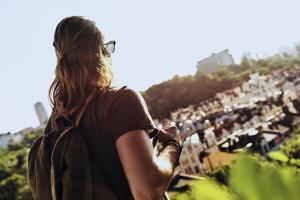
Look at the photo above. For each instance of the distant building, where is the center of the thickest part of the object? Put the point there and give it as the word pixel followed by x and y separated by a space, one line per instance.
pixel 41 113
pixel 4 139
pixel 223 58
pixel 189 159
pixel 18 136
pixel 14 138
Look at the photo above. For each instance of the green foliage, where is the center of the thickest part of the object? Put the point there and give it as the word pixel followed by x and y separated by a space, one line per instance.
pixel 297 130
pixel 13 183
pixel 13 168
pixel 27 141
pixel 182 91
pixel 9 187
pixel 251 181
pixel 221 174
pixel 248 180
pixel 292 150
pixel 204 190
pixel 253 177
pixel 278 156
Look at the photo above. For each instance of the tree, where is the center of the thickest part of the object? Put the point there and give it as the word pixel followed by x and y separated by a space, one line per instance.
pixel 13 168
pixel 249 180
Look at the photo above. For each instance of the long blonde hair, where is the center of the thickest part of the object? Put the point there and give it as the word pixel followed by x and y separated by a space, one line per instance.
pixel 80 65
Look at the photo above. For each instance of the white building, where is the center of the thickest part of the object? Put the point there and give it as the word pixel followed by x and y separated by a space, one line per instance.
pixel 4 139
pixel 223 58
pixel 257 88
pixel 189 159
pixel 41 113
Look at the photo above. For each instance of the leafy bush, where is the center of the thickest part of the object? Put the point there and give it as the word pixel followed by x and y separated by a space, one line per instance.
pixel 292 150
pixel 248 180
pixel 221 174
pixel 13 168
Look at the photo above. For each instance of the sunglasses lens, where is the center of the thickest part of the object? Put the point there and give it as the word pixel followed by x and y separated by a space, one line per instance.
pixel 110 47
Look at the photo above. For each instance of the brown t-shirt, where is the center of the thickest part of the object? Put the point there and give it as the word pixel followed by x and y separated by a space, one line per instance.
pixel 110 115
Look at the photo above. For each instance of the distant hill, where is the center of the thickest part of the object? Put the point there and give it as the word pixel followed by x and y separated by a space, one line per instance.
pixel 181 91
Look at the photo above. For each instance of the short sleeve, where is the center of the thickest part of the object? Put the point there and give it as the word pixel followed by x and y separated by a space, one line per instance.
pixel 129 112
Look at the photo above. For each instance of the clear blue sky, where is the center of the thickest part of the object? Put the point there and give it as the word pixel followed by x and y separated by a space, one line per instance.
pixel 155 40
